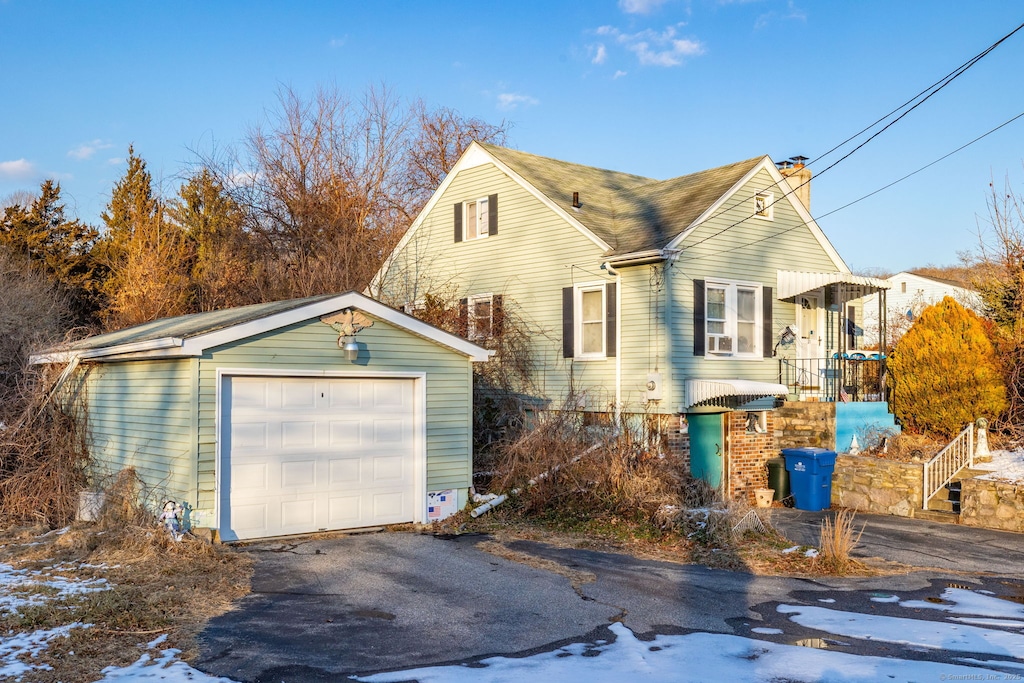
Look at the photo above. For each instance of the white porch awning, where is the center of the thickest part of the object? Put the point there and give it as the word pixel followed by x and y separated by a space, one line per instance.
pixel 793 283
pixel 701 390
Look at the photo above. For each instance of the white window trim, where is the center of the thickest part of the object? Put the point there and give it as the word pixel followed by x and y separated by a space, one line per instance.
pixel 471 318
pixel 485 201
pixel 769 202
pixel 731 319
pixel 577 315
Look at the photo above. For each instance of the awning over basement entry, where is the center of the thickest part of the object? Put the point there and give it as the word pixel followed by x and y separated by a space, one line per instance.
pixel 700 391
pixel 793 283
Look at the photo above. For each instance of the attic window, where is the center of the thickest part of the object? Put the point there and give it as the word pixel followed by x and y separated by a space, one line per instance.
pixel 476 219
pixel 763 205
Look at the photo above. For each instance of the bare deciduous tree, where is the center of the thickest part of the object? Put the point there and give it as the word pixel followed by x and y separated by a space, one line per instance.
pixel 330 184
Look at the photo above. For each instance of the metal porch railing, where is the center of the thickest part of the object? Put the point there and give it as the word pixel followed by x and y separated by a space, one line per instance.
pixel 853 378
pixel 941 469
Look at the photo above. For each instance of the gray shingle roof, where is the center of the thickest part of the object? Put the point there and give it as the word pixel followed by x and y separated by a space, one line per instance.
pixel 629 212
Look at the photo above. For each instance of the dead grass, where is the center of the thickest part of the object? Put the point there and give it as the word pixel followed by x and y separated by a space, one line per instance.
pixel 837 541
pixel 157 587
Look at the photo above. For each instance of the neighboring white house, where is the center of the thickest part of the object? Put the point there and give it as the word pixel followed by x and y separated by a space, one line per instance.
pixel 908 295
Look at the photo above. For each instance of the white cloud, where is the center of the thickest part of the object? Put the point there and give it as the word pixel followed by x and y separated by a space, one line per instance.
pixel 510 100
pixel 19 169
pixel 87 149
pixel 338 42
pixel 600 54
pixel 654 48
pixel 618 74
pixel 640 6
pixel 792 13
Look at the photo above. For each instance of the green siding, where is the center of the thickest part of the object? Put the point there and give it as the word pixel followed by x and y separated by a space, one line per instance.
pixel 534 255
pixel 312 345
pixel 734 246
pixel 139 414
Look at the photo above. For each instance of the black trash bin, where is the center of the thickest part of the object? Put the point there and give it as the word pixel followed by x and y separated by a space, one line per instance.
pixel 810 476
pixel 778 478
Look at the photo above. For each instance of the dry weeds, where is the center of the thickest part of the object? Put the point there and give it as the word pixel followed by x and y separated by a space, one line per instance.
pixel 837 541
pixel 157 587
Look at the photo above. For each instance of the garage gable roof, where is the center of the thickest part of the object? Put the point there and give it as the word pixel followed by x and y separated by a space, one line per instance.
pixel 191 335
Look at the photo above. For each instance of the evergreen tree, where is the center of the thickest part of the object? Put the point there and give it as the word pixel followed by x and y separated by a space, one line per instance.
pixel 222 263
pixel 61 248
pixel 148 258
pixel 945 372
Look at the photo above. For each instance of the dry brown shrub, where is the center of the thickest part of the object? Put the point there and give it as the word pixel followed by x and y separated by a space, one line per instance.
pixel 42 455
pixel 565 467
pixel 901 446
pixel 837 541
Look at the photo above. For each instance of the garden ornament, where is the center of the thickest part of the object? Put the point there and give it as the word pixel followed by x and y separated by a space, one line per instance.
pixel 171 519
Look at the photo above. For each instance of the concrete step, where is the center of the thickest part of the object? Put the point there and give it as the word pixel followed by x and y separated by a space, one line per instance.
pixel 968 473
pixel 943 505
pixel 937 516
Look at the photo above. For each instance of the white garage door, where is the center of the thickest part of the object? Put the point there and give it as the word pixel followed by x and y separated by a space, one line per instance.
pixel 301 455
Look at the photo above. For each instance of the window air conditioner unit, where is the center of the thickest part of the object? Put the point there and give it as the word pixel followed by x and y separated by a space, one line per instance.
pixel 719 343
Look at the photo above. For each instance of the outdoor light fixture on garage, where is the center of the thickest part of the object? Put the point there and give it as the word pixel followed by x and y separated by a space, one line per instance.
pixel 348 322
pixel 351 348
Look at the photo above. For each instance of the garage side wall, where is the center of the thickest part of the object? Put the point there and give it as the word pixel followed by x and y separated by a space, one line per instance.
pixel 139 414
pixel 313 346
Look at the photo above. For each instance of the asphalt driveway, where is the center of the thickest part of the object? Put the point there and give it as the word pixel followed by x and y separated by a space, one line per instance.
pixel 325 608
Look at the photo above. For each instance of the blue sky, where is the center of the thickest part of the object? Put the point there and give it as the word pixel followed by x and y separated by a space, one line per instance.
pixel 658 88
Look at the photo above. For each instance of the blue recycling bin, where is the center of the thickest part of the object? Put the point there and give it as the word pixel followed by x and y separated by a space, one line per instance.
pixel 810 476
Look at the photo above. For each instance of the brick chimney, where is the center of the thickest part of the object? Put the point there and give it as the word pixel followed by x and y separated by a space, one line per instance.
pixel 799 178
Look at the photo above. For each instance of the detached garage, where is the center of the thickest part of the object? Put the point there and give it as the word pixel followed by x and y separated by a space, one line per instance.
pixel 327 413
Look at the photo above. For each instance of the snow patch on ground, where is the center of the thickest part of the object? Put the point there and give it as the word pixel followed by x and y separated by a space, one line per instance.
pixel 22 588
pixel 14 648
pixel 1005 466
pixel 166 667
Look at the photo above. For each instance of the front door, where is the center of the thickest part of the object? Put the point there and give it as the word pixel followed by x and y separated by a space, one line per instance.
pixel 810 345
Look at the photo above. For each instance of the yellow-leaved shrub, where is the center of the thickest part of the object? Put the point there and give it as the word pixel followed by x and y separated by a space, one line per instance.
pixel 944 372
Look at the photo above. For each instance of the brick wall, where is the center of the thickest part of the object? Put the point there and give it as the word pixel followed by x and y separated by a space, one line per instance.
pixel 749 453
pixel 678 441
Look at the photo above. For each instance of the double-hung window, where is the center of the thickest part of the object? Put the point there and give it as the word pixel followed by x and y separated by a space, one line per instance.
pixel 481 316
pixel 476 219
pixel 589 312
pixel 590 322
pixel 733 319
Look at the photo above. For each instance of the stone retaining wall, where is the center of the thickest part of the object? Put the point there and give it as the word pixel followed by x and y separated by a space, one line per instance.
pixel 805 423
pixel 992 504
pixel 876 485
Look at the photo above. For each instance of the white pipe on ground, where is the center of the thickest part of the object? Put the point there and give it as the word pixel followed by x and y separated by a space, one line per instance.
pixel 498 500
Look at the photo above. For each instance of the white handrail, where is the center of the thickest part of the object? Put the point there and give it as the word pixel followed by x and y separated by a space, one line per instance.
pixel 941 469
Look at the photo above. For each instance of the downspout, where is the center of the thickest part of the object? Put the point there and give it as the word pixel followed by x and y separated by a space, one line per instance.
pixel 607 267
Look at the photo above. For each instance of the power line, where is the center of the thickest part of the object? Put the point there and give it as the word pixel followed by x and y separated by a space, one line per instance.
pixel 927 92
pixel 870 194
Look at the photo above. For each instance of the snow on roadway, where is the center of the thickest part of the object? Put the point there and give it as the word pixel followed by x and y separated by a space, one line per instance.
pixel 697 657
pixel 680 658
